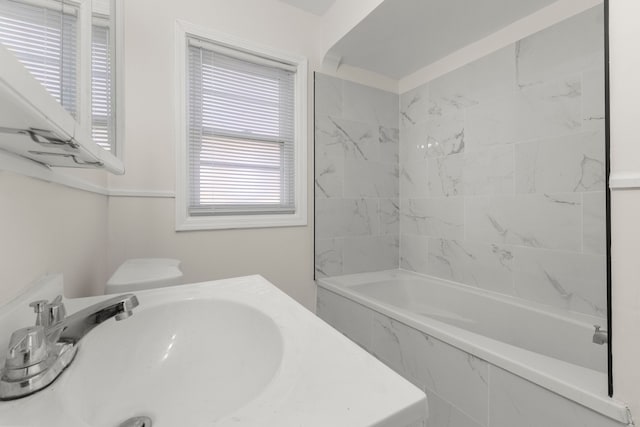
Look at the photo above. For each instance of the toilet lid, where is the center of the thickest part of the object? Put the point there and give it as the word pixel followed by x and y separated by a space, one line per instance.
pixel 145 270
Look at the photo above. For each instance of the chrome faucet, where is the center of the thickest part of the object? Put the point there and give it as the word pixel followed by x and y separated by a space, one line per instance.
pixel 600 336
pixel 38 354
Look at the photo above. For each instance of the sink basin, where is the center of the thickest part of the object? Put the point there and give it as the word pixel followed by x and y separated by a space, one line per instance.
pixel 228 353
pixel 159 361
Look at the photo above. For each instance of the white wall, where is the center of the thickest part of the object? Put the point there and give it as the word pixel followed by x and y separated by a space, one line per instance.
pixel 625 202
pixel 145 226
pixel 48 228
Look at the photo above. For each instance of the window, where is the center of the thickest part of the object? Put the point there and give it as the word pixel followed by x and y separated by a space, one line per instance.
pixel 43 35
pixel 44 39
pixel 243 137
pixel 102 123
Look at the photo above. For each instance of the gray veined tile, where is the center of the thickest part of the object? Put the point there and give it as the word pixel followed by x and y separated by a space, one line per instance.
pixel 594 223
pixel 570 163
pixel 473 84
pixel 346 217
pixel 414 106
pixel 370 179
pixel 484 265
pixel 444 414
pixel 328 218
pixel 370 105
pixel 328 96
pixel 445 175
pixel 568 280
pixel 328 257
pixel 329 176
pixel 538 220
pixel 489 171
pixel 414 177
pixel 452 374
pixel 513 399
pixel 547 221
pixel 353 140
pixel 593 100
pixel 414 252
pixel 535 112
pixel 370 253
pixel 350 318
pixel 434 217
pixel 389 144
pixel 389 216
pixel 436 137
pixel 568 47
pixel 360 217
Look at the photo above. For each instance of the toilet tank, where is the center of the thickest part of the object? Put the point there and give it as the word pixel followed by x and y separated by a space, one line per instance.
pixel 144 273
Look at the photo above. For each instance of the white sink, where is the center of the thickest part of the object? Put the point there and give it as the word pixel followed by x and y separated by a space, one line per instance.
pixel 234 352
pixel 207 357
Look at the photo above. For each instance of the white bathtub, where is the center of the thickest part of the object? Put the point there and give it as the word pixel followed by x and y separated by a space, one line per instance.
pixel 544 345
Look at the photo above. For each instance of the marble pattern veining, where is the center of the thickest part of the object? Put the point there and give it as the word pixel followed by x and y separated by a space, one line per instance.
pixel 445 175
pixel 533 112
pixel 351 139
pixel 515 401
pixel 329 176
pixel 568 47
pixel 479 81
pixel 452 374
pixel 488 266
pixel 593 99
pixel 568 280
pixel 444 218
pixel 356 177
pixel 440 136
pixel 570 163
pixel 483 175
pixel 538 220
pixel 414 253
pixel 389 216
pixel 328 257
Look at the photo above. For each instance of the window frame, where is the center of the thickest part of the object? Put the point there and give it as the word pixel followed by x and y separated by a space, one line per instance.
pixel 186 222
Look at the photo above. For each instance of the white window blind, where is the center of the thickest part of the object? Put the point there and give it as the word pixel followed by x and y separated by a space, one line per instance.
pixel 44 39
pixel 241 127
pixel 102 125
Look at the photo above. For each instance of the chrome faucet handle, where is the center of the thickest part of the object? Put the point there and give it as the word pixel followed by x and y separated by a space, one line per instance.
pixel 27 347
pixel 39 307
pixel 57 311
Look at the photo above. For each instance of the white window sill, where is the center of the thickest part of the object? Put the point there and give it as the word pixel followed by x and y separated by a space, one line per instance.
pixel 240 221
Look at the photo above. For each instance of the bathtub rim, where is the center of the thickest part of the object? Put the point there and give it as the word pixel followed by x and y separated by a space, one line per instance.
pixel 582 385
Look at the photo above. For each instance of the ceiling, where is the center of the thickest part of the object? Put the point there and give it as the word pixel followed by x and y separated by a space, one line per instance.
pixel 402 36
pixel 317 7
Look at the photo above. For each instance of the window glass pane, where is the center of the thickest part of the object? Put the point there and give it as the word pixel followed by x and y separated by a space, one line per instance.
pixel 45 41
pixel 241 135
pixel 102 126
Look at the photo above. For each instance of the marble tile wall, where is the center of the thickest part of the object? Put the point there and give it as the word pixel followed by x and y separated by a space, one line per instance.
pixel 462 389
pixel 502 174
pixel 356 178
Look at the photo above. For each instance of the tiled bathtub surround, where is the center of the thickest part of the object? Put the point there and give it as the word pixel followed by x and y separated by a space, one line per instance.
pixel 356 178
pixel 463 390
pixel 502 170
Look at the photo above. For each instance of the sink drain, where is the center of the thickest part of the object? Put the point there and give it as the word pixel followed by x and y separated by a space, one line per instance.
pixel 137 422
